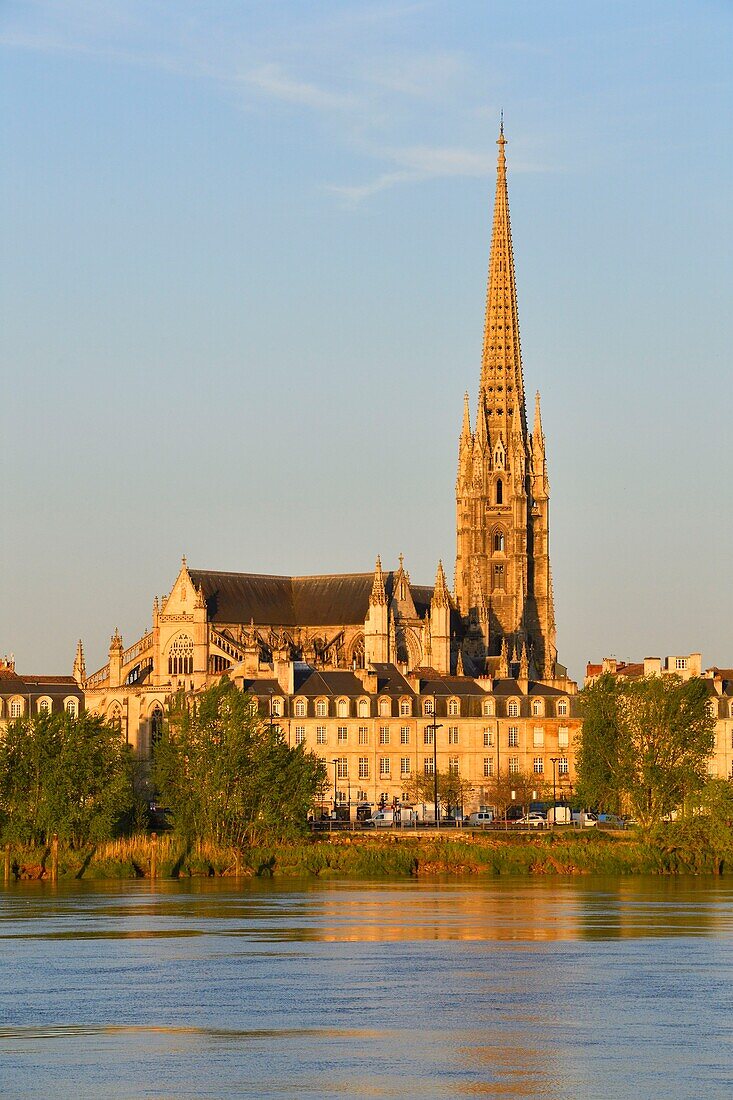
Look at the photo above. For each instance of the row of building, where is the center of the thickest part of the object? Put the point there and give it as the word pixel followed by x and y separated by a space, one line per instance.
pixel 382 677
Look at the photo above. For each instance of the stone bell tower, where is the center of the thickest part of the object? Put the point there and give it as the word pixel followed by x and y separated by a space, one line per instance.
pixel 503 583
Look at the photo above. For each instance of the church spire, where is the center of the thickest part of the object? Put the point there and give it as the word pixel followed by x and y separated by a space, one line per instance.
pixel 501 363
pixel 79 671
pixel 378 597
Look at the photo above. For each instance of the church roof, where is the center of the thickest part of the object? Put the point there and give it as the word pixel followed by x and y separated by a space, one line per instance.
pixel 332 600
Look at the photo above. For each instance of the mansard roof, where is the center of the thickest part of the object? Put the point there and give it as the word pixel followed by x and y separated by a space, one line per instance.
pixel 332 600
pixel 11 681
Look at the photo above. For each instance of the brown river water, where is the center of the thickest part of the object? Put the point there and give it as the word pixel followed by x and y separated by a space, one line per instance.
pixel 556 988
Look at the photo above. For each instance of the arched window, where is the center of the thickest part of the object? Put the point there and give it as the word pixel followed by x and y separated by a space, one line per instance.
pixel 537 708
pixel 385 707
pixel 72 708
pixel 513 709
pixel 499 541
pixel 16 708
pixel 300 708
pixel 180 656
pixel 342 708
pixel 156 725
pixel 489 708
pixel 44 706
pixel 562 708
pixel 405 707
pixel 276 708
pixel 499 491
pixel 357 654
pixel 321 708
pixel 453 706
pixel 428 707
pixel 114 716
pixel 363 708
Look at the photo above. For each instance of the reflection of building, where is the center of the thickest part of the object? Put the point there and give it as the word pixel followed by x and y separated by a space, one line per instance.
pixel 342 655
pixel 23 695
pixel 719 682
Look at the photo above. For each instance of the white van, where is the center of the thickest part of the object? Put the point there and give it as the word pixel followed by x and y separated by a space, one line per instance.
pixel 559 815
pixel 480 817
pixel 585 820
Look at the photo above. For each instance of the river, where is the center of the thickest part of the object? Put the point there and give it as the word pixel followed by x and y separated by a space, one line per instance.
pixel 557 988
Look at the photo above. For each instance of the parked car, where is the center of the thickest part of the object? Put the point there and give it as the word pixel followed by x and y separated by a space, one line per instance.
pixel 480 817
pixel 611 821
pixel 533 819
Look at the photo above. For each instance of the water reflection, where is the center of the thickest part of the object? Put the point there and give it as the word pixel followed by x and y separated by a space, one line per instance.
pixel 507 988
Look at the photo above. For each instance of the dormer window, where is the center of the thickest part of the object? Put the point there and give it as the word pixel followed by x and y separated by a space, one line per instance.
pixel 453 707
pixel 276 708
pixel 428 707
pixel 343 708
pixel 489 708
pixel 300 708
pixel 513 709
pixel 321 708
pixel 562 708
pixel 44 707
pixel 405 707
pixel 385 707
pixel 363 708
pixel 537 708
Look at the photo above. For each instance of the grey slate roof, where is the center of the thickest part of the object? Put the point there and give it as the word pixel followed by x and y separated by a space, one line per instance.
pixel 335 600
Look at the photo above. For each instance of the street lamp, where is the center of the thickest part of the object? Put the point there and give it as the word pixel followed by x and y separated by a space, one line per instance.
pixel 435 726
pixel 555 760
pixel 335 768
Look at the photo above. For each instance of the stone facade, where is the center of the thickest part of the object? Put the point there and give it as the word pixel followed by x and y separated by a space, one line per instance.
pixel 26 694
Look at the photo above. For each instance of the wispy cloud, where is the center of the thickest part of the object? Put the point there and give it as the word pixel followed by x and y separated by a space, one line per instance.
pixel 272 81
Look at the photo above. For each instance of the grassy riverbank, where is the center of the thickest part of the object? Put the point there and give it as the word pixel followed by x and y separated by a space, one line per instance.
pixel 360 856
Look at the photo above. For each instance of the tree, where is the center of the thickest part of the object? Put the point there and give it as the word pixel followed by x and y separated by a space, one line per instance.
pixel 226 776
pixel 647 744
pixel 525 787
pixel 58 774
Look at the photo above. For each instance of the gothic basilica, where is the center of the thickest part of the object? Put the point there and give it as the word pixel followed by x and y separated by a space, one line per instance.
pixel 334 658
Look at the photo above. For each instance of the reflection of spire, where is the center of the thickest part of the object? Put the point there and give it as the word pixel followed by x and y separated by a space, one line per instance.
pixel 378 597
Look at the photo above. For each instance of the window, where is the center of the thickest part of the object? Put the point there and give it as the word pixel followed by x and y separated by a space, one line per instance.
pixel 385 708
pixel 405 707
pixel 513 709
pixel 115 716
pixel 488 739
pixel 499 491
pixel 342 735
pixel 180 656
pixel 404 765
pixel 513 737
pixel 452 735
pixel 538 738
pixel 340 796
pixel 680 663
pixel 513 765
pixel 499 542
pixel 489 708
pixel 453 765
pixel 299 735
pixel 44 707
pixel 384 735
pixel 428 706
pixel 404 735
pixel 156 725
pixel 498 576
pixel 276 708
pixel 384 770
pixel 562 765
pixel 363 735
pixel 343 708
pixel 361 795
pixel 342 768
pixel 72 708
pixel 320 735
pixel 453 707
pixel 562 708
pixel 563 737
pixel 16 709
pixel 428 734
pixel 300 708
pixel 488 766
pixel 363 708
pixel 427 764
pixel 538 765
pixel 363 767
pixel 537 708
pixel 321 708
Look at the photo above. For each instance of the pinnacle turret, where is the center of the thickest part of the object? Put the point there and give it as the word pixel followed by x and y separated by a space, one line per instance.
pixel 441 595
pixel 378 597
pixel 79 671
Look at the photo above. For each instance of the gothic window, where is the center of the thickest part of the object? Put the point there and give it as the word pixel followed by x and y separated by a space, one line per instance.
pixel 180 656
pixel 357 654
pixel 499 491
pixel 115 716
pixel 499 542
pixel 498 576
pixel 156 725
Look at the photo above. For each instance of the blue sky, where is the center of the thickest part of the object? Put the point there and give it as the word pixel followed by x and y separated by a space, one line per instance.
pixel 244 263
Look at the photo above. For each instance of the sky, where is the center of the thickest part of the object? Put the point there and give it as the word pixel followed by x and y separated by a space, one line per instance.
pixel 244 254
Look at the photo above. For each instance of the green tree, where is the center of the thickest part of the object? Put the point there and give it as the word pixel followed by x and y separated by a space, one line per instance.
pixel 660 735
pixel 226 776
pixel 58 774
pixel 516 789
